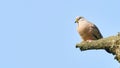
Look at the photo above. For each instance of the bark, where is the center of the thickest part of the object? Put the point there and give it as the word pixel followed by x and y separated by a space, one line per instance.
pixel 110 44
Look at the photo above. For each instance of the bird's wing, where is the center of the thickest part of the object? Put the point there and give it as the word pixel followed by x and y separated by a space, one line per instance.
pixel 96 32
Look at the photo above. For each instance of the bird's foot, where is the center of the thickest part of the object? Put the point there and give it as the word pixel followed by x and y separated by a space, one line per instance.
pixel 89 40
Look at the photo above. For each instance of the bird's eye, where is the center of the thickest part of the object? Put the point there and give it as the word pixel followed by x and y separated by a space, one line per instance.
pixel 81 18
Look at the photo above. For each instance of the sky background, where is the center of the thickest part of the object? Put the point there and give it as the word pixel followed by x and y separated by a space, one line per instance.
pixel 42 33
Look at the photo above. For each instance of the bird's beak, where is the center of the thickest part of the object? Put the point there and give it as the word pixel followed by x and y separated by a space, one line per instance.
pixel 75 21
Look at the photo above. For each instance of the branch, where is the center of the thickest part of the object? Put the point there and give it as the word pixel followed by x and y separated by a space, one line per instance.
pixel 110 44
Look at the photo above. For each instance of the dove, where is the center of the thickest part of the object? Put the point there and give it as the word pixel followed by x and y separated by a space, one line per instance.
pixel 87 30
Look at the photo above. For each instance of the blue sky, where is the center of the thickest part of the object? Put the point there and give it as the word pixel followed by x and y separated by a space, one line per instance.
pixel 42 33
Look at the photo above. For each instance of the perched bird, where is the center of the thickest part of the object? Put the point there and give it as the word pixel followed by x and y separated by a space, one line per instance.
pixel 87 30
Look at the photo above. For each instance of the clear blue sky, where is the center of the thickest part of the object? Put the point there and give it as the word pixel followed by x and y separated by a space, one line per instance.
pixel 42 33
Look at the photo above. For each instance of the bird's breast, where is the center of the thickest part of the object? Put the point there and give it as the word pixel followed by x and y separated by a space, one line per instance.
pixel 82 27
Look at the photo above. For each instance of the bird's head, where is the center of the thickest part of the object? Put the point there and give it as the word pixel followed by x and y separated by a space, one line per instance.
pixel 79 18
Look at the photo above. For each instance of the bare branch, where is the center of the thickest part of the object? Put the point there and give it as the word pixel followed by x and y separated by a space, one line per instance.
pixel 110 44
